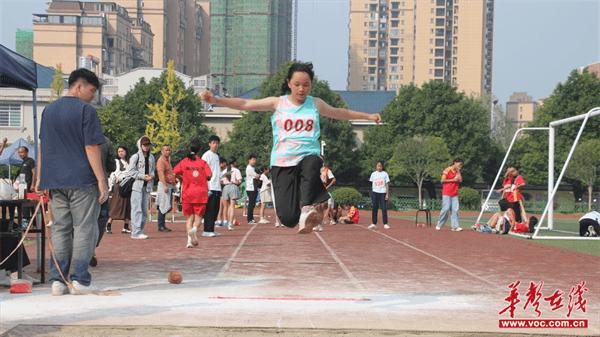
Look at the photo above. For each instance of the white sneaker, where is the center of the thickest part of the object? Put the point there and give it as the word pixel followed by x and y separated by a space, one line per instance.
pixel 310 217
pixel 263 220
pixel 80 289
pixel 139 237
pixel 332 222
pixel 457 229
pixel 50 223
pixel 59 288
pixel 438 228
pixel 372 226
pixel 591 231
pixel 278 225
pixel 318 228
pixel 209 234
pixel 189 241
pixel 251 222
pixel 386 226
pixel 230 227
pixel 218 223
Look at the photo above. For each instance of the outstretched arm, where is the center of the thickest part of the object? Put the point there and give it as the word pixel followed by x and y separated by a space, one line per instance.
pixel 263 104
pixel 344 114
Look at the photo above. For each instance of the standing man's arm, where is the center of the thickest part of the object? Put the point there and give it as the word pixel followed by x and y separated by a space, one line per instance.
pixel 33 175
pixel 38 169
pixel 94 158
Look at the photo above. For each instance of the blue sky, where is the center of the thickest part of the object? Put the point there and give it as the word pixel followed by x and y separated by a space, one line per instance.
pixel 536 42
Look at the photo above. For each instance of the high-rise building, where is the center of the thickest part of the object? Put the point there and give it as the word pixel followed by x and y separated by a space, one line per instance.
pixel 181 31
pixel 100 36
pixel 249 41
pixel 24 42
pixel 520 109
pixel 393 43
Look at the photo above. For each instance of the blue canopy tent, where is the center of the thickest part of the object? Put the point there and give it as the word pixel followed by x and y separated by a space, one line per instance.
pixel 17 71
pixel 10 154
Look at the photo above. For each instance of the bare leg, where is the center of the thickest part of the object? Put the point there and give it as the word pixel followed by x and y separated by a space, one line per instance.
pixel 231 211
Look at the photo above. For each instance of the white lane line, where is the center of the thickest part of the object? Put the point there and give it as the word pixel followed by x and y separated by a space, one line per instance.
pixel 235 253
pixel 345 269
pixel 450 264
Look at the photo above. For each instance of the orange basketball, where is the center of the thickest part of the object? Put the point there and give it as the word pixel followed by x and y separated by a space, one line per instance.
pixel 174 277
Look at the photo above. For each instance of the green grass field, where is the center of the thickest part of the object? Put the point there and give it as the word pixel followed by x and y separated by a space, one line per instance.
pixel 571 225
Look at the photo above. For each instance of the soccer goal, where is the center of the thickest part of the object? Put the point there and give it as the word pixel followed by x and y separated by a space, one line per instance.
pixel 548 231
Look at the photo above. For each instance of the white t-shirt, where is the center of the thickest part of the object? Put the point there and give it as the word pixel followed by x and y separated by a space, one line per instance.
pixel 212 159
pixel 379 181
pixel 250 174
pixel 591 215
pixel 329 175
pixel 236 176
pixel 265 183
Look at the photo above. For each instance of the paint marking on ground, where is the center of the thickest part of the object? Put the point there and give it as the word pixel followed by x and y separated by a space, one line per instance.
pixel 235 252
pixel 297 298
pixel 345 269
pixel 448 263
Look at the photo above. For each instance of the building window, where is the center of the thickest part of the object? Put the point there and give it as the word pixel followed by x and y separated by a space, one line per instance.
pixel 10 115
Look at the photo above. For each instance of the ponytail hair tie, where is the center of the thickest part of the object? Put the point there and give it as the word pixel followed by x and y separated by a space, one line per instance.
pixel 192 152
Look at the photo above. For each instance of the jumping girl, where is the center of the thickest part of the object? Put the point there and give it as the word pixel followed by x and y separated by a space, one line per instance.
pixel 295 164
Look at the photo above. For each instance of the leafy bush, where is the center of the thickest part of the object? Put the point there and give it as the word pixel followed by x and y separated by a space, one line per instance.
pixel 347 196
pixel 469 198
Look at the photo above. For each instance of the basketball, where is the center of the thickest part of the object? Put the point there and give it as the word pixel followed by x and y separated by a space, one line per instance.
pixel 174 277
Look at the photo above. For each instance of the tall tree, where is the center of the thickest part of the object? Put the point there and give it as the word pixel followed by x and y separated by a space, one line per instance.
pixel 124 119
pixel 252 133
pixel 163 121
pixel 578 94
pixel 435 109
pixel 58 83
pixel 585 165
pixel 419 158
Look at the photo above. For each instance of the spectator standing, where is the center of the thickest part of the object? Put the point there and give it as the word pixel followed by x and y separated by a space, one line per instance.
pixel 75 179
pixel 214 186
pixel 451 179
pixel 164 190
pixel 251 192
pixel 141 168
pixel 120 207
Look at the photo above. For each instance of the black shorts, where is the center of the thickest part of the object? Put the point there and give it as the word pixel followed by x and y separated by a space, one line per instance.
pixel 297 186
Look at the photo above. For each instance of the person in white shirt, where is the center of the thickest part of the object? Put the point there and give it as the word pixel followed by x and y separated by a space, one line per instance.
pixel 231 193
pixel 589 224
pixel 380 194
pixel 265 194
pixel 214 186
pixel 250 191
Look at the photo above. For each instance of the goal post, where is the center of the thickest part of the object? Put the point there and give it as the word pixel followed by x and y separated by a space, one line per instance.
pixel 485 205
pixel 552 192
pixel 548 213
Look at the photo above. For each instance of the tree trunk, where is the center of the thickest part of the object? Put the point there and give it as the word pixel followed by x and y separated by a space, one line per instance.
pixel 590 190
pixel 419 185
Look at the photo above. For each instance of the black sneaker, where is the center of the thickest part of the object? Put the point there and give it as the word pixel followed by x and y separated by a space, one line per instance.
pixel 108 229
pixel 166 229
pixel 93 261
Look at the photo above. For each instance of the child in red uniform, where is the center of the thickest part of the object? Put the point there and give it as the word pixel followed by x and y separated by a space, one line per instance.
pixel 511 191
pixel 194 174
pixel 352 217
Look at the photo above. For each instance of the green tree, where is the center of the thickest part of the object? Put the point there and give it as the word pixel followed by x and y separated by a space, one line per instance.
pixel 419 158
pixel 435 109
pixel 124 119
pixel 578 94
pixel 163 121
pixel 253 134
pixel 58 83
pixel 585 165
